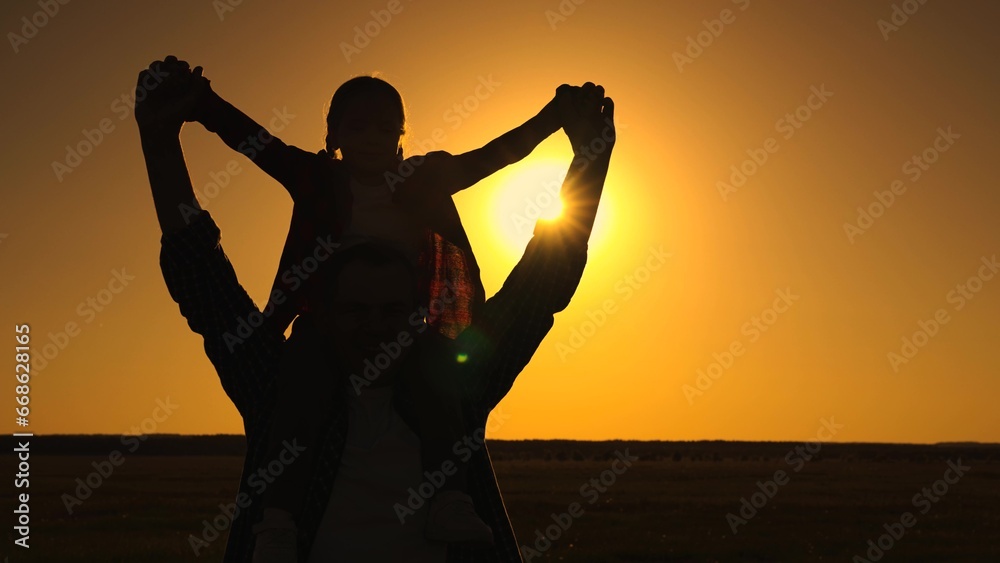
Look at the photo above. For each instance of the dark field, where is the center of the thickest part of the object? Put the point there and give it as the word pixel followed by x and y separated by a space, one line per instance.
pixel 670 505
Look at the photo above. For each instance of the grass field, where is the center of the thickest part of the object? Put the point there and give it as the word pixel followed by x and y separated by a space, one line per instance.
pixel 670 505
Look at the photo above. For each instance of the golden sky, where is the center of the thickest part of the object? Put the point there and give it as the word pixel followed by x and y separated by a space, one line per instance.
pixel 734 289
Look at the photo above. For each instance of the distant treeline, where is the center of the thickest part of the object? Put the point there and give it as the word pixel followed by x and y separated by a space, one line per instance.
pixel 548 450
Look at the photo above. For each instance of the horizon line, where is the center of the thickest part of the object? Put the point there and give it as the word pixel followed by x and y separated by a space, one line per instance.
pixel 939 443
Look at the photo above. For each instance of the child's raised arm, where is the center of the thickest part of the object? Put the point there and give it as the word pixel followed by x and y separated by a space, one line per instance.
pixel 457 172
pixel 282 162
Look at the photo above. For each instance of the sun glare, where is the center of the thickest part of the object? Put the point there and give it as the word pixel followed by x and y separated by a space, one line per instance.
pixel 531 193
pixel 553 211
pixel 526 194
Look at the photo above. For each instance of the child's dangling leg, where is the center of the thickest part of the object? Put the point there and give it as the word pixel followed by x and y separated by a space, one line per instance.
pixel 451 515
pixel 303 394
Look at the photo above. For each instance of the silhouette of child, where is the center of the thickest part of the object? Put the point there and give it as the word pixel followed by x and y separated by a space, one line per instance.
pixel 360 187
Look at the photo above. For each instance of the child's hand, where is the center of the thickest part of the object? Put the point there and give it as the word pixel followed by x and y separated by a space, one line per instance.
pixel 166 95
pixel 586 115
pixel 195 86
pixel 555 111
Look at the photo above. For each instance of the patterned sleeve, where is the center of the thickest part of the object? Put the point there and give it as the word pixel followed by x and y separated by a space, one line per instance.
pixel 202 281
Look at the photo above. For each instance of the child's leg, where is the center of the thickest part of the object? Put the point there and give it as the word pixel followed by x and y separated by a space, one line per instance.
pixel 304 392
pixel 451 514
pixel 441 427
pixel 439 423
pixel 435 408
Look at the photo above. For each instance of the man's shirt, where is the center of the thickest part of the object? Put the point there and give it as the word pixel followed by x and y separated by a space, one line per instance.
pixel 379 465
pixel 246 354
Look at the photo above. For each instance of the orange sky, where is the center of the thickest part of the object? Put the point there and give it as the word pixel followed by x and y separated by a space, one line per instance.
pixel 690 266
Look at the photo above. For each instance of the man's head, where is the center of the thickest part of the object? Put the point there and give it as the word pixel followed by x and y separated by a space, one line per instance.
pixel 364 302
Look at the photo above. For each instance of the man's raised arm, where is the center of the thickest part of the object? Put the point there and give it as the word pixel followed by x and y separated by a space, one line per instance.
pixel 199 277
pixel 512 323
pixel 160 115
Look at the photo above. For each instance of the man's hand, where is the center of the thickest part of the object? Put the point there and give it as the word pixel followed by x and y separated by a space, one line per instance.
pixel 586 115
pixel 588 119
pixel 163 109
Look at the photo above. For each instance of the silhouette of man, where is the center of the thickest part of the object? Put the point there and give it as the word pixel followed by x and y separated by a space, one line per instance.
pixel 482 362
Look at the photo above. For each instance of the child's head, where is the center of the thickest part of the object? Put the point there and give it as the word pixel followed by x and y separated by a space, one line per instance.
pixel 365 123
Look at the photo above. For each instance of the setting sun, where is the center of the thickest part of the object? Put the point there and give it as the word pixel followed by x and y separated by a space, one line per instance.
pixel 525 193
pixel 528 193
